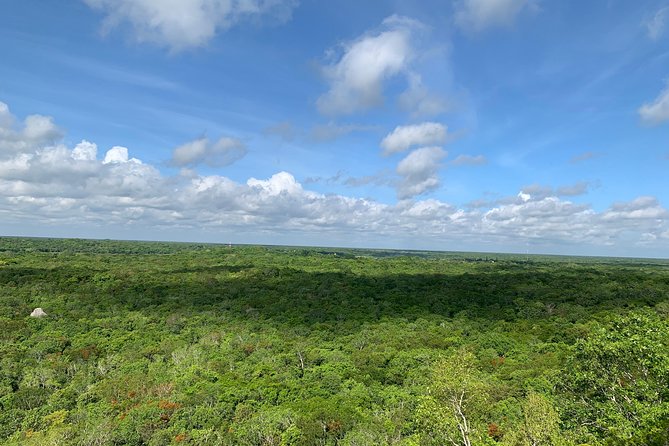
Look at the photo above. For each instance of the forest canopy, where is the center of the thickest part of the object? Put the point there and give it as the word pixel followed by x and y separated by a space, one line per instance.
pixel 149 343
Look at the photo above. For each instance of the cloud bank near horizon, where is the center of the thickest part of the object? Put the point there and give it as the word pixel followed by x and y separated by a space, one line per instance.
pixel 44 181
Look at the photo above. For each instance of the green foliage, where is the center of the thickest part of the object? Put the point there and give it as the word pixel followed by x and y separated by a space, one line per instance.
pixel 158 343
pixel 617 380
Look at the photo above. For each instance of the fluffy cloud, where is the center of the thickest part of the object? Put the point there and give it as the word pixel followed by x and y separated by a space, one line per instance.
pixel 357 78
pixel 641 208
pixel 36 130
pixel 477 15
pixel 404 137
pixel 280 183
pixel 50 184
pixel 548 217
pixel 657 111
pixel 115 155
pixel 180 24
pixel 85 151
pixel 419 171
pixel 221 153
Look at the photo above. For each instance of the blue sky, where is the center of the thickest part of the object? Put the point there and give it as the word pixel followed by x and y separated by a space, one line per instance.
pixel 489 125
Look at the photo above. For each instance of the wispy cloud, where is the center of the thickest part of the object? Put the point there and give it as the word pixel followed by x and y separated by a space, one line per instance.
pixel 284 130
pixel 185 24
pixel 655 26
pixel 332 131
pixel 404 137
pixel 113 73
pixel 469 160
pixel 220 153
pixel 419 101
pixel 474 16
pixel 585 156
pixel 657 111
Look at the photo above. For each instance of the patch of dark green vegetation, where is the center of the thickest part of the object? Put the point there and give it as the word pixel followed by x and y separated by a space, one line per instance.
pixel 150 343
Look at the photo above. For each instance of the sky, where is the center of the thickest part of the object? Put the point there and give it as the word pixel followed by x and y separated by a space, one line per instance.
pixel 538 126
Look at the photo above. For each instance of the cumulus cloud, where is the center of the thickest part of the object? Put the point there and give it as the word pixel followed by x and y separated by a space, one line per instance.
pixel 657 111
pixel 469 160
pixel 280 183
pixel 419 171
pixel 404 137
pixel 115 155
pixel 221 153
pixel 656 25
pixel 186 24
pixel 641 208
pixel 357 78
pixel 85 151
pixel 548 217
pixel 40 129
pixel 53 184
pixel 473 16
pixel 36 130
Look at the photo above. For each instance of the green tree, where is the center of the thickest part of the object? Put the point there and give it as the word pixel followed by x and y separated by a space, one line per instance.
pixel 454 407
pixel 616 384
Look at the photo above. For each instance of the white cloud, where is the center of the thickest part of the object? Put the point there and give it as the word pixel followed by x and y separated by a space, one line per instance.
pixel 656 25
pixel 116 154
pixel 657 111
pixel 36 130
pixel 477 15
pixel 404 137
pixel 54 186
pixel 419 171
pixel 547 218
pixel 641 208
pixel 85 151
pixel 279 183
pixel 221 153
pixel 6 117
pixel 469 160
pixel 357 78
pixel 40 128
pixel 181 24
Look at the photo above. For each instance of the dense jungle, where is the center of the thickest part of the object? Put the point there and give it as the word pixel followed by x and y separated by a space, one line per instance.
pixel 148 343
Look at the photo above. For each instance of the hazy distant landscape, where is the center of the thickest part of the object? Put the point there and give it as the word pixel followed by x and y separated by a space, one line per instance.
pixel 150 343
